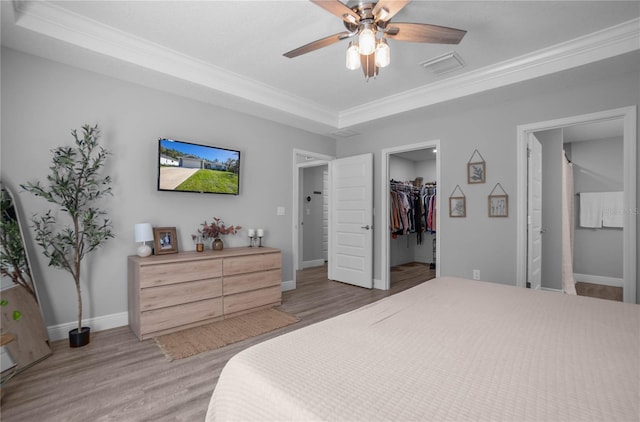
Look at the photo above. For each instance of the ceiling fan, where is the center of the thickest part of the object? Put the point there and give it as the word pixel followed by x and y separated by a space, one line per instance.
pixel 371 22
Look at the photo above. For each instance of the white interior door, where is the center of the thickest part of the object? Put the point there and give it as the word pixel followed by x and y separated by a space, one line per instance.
pixel 325 215
pixel 534 213
pixel 351 220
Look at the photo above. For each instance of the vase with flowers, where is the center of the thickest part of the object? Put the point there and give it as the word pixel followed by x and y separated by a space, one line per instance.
pixel 213 230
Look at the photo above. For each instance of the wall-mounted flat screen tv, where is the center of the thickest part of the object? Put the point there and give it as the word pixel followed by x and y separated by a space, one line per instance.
pixel 188 167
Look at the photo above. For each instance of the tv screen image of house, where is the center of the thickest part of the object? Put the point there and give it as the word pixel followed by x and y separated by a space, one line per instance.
pixel 188 167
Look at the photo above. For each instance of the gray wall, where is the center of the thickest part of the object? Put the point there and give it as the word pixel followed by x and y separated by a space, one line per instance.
pixel 488 122
pixel 43 100
pixel 312 214
pixel 551 141
pixel 597 167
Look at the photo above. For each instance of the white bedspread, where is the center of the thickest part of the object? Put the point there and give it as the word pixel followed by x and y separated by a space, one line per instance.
pixel 450 349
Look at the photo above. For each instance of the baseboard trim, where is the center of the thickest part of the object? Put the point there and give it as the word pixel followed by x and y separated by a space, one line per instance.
pixel 313 263
pixel 597 279
pixel 377 284
pixel 288 285
pixel 106 322
pixel 549 289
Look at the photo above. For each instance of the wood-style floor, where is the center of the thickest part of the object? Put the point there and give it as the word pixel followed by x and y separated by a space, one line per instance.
pixel 118 378
pixel 599 291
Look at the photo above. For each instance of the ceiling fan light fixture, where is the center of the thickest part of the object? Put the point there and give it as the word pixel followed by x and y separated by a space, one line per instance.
pixel 353 56
pixel 349 18
pixel 383 53
pixel 370 20
pixel 383 14
pixel 369 67
pixel 367 40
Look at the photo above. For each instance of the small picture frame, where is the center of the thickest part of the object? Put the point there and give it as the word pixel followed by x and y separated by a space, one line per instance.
pixel 476 170
pixel 457 206
pixel 498 205
pixel 165 240
pixel 457 203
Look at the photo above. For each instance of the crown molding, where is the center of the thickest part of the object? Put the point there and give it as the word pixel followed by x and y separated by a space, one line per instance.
pixel 610 42
pixel 59 23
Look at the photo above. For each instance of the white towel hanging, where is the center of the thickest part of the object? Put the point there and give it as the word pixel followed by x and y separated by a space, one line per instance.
pixel 591 209
pixel 612 209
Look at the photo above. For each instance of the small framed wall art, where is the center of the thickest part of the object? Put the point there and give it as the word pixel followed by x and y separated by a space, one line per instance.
pixel 498 204
pixel 476 168
pixel 165 240
pixel 457 204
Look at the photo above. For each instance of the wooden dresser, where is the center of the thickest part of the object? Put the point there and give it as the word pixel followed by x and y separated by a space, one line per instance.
pixel 171 292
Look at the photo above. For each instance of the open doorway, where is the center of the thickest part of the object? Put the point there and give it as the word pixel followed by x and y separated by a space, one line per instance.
pixel 350 216
pixel 306 163
pixel 595 153
pixel 604 162
pixel 410 243
pixel 314 216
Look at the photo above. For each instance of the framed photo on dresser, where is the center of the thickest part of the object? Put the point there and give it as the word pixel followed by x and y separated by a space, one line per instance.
pixel 165 240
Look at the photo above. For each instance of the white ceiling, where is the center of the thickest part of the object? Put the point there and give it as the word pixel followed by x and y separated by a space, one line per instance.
pixel 606 129
pixel 426 154
pixel 229 53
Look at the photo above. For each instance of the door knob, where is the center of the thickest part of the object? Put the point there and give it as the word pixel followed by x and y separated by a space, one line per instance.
pixel 365 227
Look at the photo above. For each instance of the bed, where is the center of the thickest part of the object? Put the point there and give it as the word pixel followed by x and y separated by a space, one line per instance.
pixel 450 349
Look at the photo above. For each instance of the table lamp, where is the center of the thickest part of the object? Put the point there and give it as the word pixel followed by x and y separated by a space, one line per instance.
pixel 143 234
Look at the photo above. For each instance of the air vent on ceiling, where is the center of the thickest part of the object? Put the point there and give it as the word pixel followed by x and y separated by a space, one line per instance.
pixel 443 64
pixel 345 133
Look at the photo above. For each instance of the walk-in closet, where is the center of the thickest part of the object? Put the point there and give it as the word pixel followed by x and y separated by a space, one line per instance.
pixel 413 195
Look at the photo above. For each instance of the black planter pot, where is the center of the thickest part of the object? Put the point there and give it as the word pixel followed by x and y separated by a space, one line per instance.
pixel 79 339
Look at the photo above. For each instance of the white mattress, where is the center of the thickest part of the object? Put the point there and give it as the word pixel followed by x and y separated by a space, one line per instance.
pixel 450 349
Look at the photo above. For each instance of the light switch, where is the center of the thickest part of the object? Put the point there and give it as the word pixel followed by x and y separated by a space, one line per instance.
pixel 280 211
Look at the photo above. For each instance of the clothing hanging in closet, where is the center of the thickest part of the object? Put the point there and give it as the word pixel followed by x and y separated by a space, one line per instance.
pixel 413 208
pixel 430 201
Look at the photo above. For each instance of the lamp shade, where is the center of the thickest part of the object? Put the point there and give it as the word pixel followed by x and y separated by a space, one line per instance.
pixel 366 41
pixel 383 55
pixel 143 232
pixel 353 56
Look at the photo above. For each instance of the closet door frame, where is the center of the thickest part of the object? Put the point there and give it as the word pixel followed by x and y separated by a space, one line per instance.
pixel 301 159
pixel 383 219
pixel 628 117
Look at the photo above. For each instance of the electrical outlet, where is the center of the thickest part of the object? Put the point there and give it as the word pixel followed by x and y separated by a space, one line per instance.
pixel 476 274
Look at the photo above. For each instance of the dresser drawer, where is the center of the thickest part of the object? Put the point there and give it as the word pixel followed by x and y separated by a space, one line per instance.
pixel 174 316
pixel 177 272
pixel 175 294
pixel 252 299
pixel 251 281
pixel 252 263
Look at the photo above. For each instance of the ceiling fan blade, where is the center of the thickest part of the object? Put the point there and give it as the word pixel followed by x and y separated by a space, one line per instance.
pixel 422 32
pixel 386 9
pixel 369 67
pixel 339 9
pixel 315 45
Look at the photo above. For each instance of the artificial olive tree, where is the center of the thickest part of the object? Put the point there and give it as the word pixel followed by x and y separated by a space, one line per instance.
pixel 75 185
